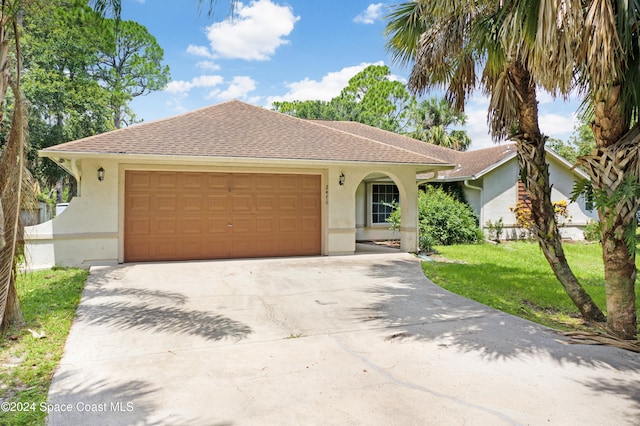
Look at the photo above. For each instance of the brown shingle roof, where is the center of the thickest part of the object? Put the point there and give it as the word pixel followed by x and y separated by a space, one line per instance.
pixel 473 164
pixel 468 164
pixel 238 130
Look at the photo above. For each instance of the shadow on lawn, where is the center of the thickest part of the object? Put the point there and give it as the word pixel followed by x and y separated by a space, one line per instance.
pixel 417 308
pixel 151 310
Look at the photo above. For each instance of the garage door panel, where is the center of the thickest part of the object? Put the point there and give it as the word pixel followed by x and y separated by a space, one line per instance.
pixel 191 203
pixel 193 181
pixel 242 182
pixel 165 181
pixel 182 216
pixel 139 203
pixel 288 202
pixel 289 182
pixel 165 226
pixel 139 180
pixel 166 202
pixel 192 225
pixel 218 203
pixel 140 226
pixel 310 203
pixel 266 203
pixel 242 203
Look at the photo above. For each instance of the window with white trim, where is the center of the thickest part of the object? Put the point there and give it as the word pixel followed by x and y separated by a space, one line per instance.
pixel 383 196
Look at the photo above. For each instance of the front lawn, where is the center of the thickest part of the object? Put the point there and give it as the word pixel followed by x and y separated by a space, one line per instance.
pixel 29 356
pixel 515 277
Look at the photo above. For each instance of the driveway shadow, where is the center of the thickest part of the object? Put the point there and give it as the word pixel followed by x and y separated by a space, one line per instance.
pixel 103 402
pixel 417 308
pixel 151 310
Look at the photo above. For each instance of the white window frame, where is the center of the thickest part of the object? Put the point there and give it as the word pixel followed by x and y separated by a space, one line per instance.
pixel 370 211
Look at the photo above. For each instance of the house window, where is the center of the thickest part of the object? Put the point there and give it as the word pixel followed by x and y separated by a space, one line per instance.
pixel 588 201
pixel 382 199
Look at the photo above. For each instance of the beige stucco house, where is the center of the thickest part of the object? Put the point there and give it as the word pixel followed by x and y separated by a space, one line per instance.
pixel 231 180
pixel 236 180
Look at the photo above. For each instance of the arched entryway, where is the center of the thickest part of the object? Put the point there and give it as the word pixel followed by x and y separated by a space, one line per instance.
pixel 375 198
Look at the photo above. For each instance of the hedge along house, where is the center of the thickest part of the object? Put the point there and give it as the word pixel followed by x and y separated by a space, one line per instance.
pixel 227 181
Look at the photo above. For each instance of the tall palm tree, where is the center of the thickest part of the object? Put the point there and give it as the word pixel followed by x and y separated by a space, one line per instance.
pixel 13 172
pixel 454 41
pixel 594 44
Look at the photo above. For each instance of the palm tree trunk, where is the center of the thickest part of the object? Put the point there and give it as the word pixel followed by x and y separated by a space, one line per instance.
pixel 613 166
pixel 535 177
pixel 12 170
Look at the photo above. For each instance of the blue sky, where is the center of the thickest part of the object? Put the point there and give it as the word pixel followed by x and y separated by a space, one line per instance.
pixel 275 50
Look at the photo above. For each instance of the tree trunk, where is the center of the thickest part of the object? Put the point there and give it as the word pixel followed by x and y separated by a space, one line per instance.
pixel 535 176
pixel 12 314
pixel 534 173
pixel 613 166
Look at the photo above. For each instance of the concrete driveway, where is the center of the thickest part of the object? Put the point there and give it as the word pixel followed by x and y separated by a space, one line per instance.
pixel 363 339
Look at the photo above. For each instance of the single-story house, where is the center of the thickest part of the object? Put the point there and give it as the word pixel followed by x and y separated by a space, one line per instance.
pixel 235 180
pixel 230 180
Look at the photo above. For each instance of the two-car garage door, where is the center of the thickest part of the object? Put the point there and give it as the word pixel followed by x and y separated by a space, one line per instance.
pixel 189 215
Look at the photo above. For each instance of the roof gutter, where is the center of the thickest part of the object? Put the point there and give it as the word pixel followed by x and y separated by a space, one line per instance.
pixel 61 157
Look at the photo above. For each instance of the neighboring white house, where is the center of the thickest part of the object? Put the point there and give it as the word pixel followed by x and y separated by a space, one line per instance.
pixel 236 180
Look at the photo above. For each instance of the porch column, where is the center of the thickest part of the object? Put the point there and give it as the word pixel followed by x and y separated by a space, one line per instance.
pixel 409 206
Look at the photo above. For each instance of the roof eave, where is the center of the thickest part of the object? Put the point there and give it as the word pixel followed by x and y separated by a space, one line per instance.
pixel 184 159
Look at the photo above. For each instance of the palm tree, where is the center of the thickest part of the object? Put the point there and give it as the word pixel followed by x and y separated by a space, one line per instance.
pixel 13 172
pixel 457 39
pixel 594 44
pixel 432 119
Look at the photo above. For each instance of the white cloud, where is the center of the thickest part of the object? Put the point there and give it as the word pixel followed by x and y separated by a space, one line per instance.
pixel 239 88
pixel 254 34
pixel 326 89
pixel 557 119
pixel 557 125
pixel 199 51
pixel 178 86
pixel 370 15
pixel 476 127
pixel 208 66
pixel 181 87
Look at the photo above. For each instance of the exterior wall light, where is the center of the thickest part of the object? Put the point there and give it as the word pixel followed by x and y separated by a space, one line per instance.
pixel 341 179
pixel 100 174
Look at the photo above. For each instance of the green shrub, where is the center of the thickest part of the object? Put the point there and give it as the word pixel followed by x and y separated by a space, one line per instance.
pixel 592 231
pixel 442 220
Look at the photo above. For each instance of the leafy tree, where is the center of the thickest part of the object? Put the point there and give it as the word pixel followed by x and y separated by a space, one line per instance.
pixel 66 101
pixel 373 98
pixel 129 65
pixel 580 143
pixel 449 43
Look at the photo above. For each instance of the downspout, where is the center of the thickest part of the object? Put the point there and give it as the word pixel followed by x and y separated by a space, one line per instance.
pixel 477 188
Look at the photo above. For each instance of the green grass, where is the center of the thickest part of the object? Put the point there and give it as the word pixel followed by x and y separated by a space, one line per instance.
pixel 516 278
pixel 48 300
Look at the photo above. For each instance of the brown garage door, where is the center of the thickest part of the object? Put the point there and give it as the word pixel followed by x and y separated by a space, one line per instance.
pixel 189 216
